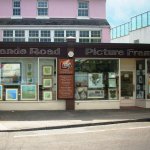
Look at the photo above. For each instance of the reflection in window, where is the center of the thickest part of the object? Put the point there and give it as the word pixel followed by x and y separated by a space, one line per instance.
pixel 96 79
pixel 11 73
pixel 139 21
pixel 42 8
pixel 144 20
pixel 83 8
pixel 133 23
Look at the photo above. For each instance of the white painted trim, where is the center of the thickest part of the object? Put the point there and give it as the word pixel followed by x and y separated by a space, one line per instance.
pixel 16 17
pixel 80 17
pixel 52 27
pixel 42 17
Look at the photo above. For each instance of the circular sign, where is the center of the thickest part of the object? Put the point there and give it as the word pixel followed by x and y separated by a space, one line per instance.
pixel 70 53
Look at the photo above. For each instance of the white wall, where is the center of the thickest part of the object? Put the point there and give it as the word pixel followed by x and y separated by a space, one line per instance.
pixel 143 35
pixel 124 39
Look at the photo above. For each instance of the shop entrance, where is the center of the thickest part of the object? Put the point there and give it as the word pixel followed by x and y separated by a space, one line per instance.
pixel 127 84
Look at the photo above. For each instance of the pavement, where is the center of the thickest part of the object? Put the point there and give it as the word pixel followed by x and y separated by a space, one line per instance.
pixel 13 121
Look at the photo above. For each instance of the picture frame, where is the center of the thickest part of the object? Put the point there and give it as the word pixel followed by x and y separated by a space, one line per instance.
pixel 112 94
pixel 95 94
pixel 47 82
pixel 47 95
pixel 11 72
pixel 47 70
pixel 11 94
pixel 81 93
pixel 29 67
pixel 112 83
pixel 140 79
pixel 1 92
pixel 112 75
pixel 95 80
pixel 28 92
pixel 29 80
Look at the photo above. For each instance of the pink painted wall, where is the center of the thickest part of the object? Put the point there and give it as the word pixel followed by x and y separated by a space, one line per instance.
pixel 106 35
pixel 57 8
pixel 28 8
pixel 63 8
pixel 97 9
pixel 5 8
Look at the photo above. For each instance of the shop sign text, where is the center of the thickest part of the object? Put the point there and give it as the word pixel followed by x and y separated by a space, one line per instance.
pixel 117 53
pixel 30 51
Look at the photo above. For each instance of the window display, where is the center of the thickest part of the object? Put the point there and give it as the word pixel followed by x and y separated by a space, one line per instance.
pixel 11 94
pixel 11 73
pixel 96 79
pixel 140 79
pixel 1 92
pixel 28 92
pixel 148 79
pixel 27 79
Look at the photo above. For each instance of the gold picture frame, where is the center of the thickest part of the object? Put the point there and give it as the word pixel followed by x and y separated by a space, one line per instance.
pixel 47 82
pixel 47 70
pixel 47 95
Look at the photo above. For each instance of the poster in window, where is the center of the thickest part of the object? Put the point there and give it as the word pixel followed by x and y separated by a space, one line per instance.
pixel 95 80
pixel 112 75
pixel 112 93
pixel 81 93
pixel 95 94
pixel 112 83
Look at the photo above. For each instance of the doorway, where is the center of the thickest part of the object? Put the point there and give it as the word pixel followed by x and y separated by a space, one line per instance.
pixel 127 87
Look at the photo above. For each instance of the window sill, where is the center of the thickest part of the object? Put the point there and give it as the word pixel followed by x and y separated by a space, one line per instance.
pixel 16 17
pixel 42 17
pixel 80 17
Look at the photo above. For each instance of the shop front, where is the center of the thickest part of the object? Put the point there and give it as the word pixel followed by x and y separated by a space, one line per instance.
pixel 60 76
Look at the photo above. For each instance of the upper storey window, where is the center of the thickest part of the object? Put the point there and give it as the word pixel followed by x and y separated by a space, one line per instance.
pixel 16 8
pixel 83 9
pixel 42 7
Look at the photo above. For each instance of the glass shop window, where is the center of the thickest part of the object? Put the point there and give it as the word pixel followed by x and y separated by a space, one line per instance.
pixel 148 79
pixel 20 81
pixel 96 79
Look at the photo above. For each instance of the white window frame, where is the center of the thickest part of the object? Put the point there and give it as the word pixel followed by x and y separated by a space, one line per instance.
pixel 42 16
pixel 82 9
pixel 16 16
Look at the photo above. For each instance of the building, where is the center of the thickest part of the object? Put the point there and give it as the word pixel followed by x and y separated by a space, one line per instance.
pixel 54 58
pixel 137 30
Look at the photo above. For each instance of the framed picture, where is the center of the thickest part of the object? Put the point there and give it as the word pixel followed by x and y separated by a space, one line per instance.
pixel 29 80
pixel 47 83
pixel 11 73
pixel 95 94
pixel 81 93
pixel 112 75
pixel 137 72
pixel 29 67
pixel 95 80
pixel 47 95
pixel 1 92
pixel 140 78
pixel 11 94
pixel 112 93
pixel 28 92
pixel 47 70
pixel 81 79
pixel 112 83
